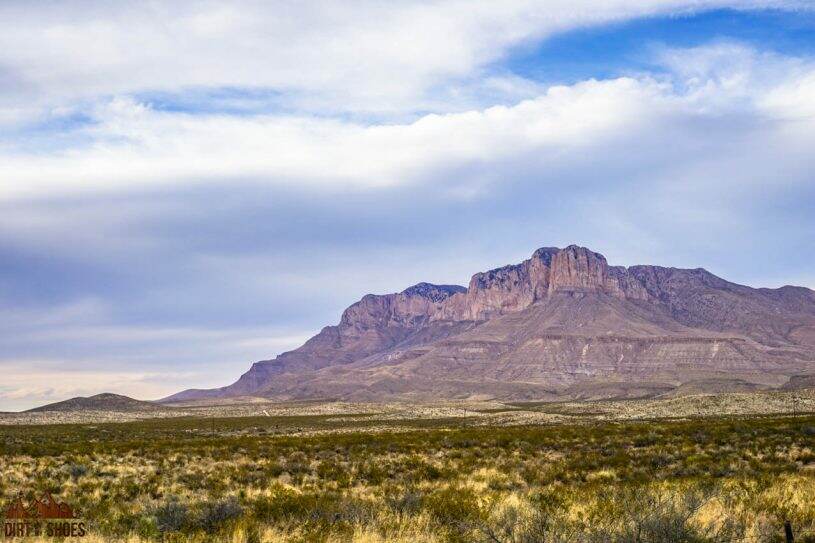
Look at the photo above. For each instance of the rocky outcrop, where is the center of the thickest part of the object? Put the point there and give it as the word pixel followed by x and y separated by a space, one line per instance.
pixel 550 270
pixel 410 308
pixel 562 319
pixel 578 268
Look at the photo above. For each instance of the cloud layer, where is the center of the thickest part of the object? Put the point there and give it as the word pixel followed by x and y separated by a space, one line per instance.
pixel 369 56
pixel 129 144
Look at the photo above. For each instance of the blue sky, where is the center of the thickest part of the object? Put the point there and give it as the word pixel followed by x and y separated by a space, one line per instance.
pixel 186 188
pixel 632 46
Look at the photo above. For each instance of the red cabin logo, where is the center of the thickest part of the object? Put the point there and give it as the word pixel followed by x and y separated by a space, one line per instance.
pixel 42 517
pixel 44 508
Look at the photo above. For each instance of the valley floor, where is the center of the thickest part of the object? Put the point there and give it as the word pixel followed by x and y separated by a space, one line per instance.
pixel 484 412
pixel 519 473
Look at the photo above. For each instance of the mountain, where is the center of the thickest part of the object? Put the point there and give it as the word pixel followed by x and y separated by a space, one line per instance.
pixel 100 402
pixel 562 324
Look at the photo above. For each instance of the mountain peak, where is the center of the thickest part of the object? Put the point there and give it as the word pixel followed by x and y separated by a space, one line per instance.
pixel 545 254
pixel 578 267
pixel 435 293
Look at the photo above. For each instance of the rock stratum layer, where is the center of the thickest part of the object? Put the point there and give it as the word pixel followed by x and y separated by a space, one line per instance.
pixel 562 324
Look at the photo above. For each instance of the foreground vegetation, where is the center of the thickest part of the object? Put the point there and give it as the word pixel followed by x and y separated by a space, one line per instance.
pixel 266 479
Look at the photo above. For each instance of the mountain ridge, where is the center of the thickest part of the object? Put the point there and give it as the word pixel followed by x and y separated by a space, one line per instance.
pixel 561 319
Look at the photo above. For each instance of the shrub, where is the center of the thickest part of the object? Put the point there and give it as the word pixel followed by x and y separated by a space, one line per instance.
pixel 76 470
pixel 408 503
pixel 214 514
pixel 171 516
pixel 659 518
pixel 283 504
pixel 454 507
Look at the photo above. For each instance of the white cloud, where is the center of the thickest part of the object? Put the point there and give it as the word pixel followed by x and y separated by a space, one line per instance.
pixel 369 56
pixel 133 145
pixel 794 101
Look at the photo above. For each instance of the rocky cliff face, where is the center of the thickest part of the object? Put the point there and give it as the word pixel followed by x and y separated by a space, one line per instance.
pixel 550 270
pixel 410 308
pixel 539 328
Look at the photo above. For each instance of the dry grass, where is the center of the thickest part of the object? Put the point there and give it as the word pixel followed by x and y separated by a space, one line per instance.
pixel 451 479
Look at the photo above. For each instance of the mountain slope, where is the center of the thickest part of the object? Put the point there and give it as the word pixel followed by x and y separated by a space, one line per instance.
pixel 561 324
pixel 100 402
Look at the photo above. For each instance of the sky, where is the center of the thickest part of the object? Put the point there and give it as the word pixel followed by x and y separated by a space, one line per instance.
pixel 189 187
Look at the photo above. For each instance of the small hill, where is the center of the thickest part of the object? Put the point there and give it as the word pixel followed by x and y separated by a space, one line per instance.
pixel 800 382
pixel 100 402
pixel 713 386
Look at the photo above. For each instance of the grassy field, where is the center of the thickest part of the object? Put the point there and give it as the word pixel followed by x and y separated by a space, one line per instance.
pixel 349 478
